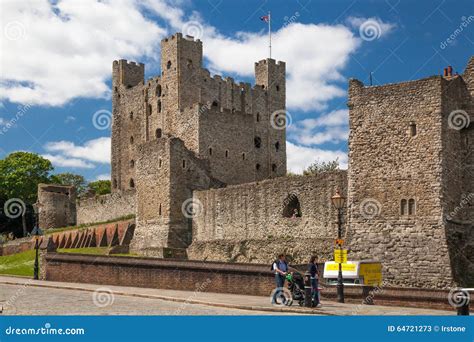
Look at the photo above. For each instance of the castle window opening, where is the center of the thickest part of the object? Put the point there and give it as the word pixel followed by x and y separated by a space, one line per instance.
pixel 115 183
pixel 274 167
pixel 190 64
pixel 258 142
pixel 257 167
pixel 277 146
pixel 132 183
pixel 132 163
pixel 168 65
pixel 215 103
pixel 158 133
pixel 291 207
pixel 116 89
pixel 412 129
pixel 227 153
pixel 184 163
pixel 159 162
pixel 210 151
pixel 158 90
pixel 131 140
pixel 243 156
pixel 411 206
pixel 258 117
pixel 159 210
pixel 149 109
pixel 277 87
pixel 159 106
pixel 403 207
pixel 131 115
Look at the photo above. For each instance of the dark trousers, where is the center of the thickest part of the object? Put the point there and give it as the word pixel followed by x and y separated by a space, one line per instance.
pixel 314 291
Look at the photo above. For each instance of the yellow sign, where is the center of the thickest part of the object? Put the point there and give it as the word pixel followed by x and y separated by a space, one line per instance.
pixel 372 273
pixel 340 256
pixel 345 267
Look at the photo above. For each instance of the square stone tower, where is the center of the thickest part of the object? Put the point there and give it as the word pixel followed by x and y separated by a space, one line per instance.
pixel 411 179
pixel 185 130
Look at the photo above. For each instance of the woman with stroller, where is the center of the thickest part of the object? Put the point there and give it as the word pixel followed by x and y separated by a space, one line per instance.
pixel 313 270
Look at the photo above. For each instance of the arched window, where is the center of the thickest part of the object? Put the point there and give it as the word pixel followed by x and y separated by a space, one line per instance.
pixel 159 106
pixel 158 133
pixel 227 153
pixel 258 117
pixel 243 156
pixel 115 183
pixel 412 129
pixel 258 142
pixel 132 183
pixel 277 87
pixel 210 151
pixel 159 162
pixel 277 146
pixel 148 109
pixel 131 140
pixel 158 90
pixel 274 167
pixel 257 167
pixel 132 163
pixel 403 207
pixel 291 206
pixel 131 115
pixel 184 163
pixel 168 65
pixel 411 206
pixel 215 103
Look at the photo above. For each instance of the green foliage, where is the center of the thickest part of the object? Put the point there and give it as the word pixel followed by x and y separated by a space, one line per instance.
pixel 71 179
pixel 100 187
pixel 20 174
pixel 320 167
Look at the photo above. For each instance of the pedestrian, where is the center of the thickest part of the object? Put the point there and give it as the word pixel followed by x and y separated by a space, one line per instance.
pixel 314 274
pixel 280 267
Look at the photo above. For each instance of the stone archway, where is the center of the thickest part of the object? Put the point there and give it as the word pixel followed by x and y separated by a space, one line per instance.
pixel 291 207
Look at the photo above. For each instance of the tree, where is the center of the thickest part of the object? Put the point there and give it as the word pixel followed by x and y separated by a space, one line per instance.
pixel 100 187
pixel 71 179
pixel 319 167
pixel 20 174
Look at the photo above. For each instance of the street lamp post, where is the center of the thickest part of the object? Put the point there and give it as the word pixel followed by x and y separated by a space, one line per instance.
pixel 338 202
pixel 36 233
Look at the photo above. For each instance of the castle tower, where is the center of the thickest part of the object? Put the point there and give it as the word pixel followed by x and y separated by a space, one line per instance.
pixel 271 125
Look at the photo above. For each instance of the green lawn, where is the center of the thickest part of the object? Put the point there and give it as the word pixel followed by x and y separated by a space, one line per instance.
pixel 18 264
pixel 22 264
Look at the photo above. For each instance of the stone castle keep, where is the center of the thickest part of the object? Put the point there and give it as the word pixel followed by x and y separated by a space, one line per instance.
pixel 201 162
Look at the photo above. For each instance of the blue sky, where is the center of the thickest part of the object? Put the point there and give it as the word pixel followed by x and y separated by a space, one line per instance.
pixel 56 60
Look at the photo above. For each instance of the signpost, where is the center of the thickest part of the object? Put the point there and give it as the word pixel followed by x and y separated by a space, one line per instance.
pixel 340 256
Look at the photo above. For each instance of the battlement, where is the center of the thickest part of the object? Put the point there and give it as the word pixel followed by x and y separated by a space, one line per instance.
pixel 127 73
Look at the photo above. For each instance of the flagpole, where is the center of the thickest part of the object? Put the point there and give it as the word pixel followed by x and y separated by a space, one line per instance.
pixel 270 33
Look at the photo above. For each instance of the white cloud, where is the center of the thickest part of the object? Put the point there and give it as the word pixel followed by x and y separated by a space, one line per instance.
pixel 96 150
pixel 3 122
pixel 300 157
pixel 379 27
pixel 69 119
pixel 54 52
pixel 105 176
pixel 331 127
pixel 314 54
pixel 58 160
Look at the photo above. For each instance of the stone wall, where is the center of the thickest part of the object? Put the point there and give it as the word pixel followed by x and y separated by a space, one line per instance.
pixel 58 205
pixel 406 172
pixel 253 222
pixel 106 207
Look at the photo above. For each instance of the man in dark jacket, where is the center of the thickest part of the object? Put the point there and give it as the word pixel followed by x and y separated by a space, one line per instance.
pixel 313 270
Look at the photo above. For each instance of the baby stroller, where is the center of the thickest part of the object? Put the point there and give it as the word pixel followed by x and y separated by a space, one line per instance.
pixel 296 286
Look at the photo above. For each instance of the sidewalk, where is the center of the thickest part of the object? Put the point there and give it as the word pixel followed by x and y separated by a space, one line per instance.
pixel 230 300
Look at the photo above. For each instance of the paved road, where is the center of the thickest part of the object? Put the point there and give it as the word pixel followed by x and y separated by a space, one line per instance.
pixel 29 300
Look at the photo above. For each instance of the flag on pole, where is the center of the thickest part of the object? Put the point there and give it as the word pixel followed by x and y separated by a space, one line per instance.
pixel 265 18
